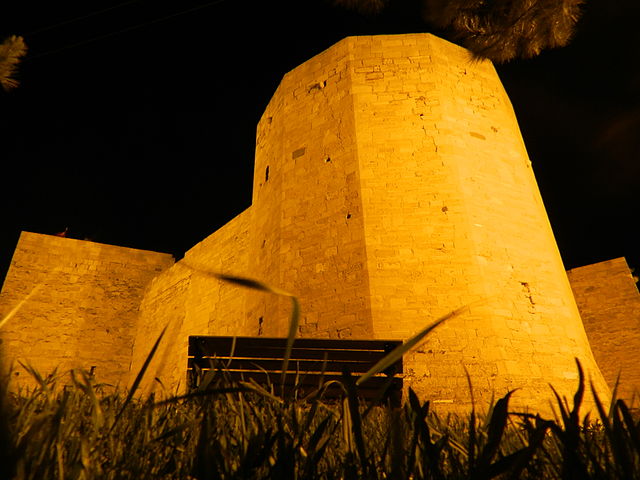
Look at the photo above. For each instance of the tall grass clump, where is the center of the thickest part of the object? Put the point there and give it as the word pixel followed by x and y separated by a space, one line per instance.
pixel 244 431
pixel 78 431
pixel 225 429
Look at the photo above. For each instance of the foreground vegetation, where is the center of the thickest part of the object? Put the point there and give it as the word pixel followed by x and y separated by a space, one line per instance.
pixel 242 431
pixel 85 430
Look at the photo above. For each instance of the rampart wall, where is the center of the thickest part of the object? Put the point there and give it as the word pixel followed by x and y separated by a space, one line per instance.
pixel 84 312
pixel 609 303
pixel 187 300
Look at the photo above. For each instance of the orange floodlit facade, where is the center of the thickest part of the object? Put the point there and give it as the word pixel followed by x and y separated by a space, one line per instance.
pixel 391 187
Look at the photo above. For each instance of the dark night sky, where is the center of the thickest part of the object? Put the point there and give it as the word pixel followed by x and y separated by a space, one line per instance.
pixel 136 126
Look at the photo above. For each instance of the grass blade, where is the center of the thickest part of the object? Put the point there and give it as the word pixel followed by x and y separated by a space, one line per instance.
pixel 398 352
pixel 136 382
pixel 293 330
pixel 632 427
pixel 497 426
pixel 263 287
pixel 295 312
pixel 8 455
pixel 355 420
pixel 20 304
pixel 15 309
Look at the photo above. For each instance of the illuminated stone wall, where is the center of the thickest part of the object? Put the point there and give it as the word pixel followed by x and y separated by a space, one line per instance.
pixel 85 310
pixel 188 301
pixel 609 304
pixel 398 190
pixel 308 229
pixel 391 187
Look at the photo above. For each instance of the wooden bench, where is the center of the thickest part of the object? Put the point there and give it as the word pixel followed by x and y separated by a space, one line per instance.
pixel 312 361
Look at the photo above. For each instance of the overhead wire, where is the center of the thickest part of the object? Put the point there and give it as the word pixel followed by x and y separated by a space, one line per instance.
pixel 124 30
pixel 79 18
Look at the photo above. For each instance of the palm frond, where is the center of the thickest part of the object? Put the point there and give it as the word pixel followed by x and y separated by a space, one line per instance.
pixel 12 50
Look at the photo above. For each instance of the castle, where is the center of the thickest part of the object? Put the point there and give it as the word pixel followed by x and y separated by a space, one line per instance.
pixel 391 187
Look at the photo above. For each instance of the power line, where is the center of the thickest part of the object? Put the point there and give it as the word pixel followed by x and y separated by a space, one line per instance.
pixel 77 19
pixel 124 30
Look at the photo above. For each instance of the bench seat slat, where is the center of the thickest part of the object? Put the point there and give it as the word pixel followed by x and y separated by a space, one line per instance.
pixel 244 351
pixel 207 344
pixel 273 378
pixel 276 365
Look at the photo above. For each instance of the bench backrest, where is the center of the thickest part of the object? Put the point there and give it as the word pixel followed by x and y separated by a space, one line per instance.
pixel 311 360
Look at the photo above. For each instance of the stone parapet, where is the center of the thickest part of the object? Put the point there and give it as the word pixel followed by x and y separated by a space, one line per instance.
pixel 83 308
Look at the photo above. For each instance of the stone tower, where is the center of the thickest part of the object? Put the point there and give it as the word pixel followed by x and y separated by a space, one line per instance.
pixel 391 187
